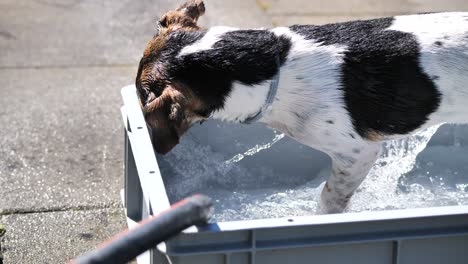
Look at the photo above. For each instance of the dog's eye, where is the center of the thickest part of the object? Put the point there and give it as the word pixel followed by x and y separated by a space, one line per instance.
pixel 156 87
pixel 163 22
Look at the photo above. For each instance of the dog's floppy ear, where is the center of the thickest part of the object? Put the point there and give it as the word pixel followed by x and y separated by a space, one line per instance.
pixel 184 17
pixel 176 113
pixel 193 9
pixel 165 115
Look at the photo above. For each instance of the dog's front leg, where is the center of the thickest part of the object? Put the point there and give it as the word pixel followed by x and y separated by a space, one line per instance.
pixel 349 168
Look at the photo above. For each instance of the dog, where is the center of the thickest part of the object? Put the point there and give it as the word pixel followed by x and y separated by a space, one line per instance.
pixel 340 88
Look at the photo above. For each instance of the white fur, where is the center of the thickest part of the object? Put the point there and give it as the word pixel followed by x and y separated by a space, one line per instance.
pixel 243 101
pixel 449 62
pixel 209 39
pixel 309 104
pixel 308 97
pixel 307 86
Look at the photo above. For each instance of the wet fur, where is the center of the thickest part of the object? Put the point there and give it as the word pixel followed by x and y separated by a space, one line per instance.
pixel 343 88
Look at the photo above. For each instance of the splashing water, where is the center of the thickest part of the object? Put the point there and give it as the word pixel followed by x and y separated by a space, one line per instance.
pixel 279 178
pixel 256 149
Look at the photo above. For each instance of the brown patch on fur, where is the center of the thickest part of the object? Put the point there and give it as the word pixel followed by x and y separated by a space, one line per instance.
pixel 171 114
pixel 373 135
pixel 169 108
pixel 327 188
pixel 157 43
pixel 177 94
pixel 185 17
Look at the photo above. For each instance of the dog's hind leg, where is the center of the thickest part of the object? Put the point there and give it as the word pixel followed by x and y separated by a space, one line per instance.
pixel 349 168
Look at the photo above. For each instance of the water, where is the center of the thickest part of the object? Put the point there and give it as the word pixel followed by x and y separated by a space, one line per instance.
pixel 254 150
pixel 252 172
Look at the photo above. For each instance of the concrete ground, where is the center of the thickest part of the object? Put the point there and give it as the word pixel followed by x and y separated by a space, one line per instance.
pixel 62 64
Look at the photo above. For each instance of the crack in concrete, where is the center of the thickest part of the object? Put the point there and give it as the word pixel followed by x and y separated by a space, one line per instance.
pixel 67 66
pixel 7 35
pixel 14 211
pixel 65 6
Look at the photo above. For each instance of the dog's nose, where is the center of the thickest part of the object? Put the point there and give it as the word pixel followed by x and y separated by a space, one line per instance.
pixel 162 149
pixel 163 145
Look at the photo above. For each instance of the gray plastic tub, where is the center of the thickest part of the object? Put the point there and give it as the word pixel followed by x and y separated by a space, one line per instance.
pixel 426 235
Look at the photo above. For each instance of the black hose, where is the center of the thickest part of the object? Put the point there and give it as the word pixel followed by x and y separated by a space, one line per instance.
pixel 150 232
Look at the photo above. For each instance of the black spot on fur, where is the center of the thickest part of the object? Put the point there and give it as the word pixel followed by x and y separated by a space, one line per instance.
pixel 438 43
pixel 352 136
pixel 435 77
pixel 301 120
pixel 348 160
pixel 356 151
pixel 246 56
pixel 301 117
pixel 330 122
pixel 342 173
pixel 385 89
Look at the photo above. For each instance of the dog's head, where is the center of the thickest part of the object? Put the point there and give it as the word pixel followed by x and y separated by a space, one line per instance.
pixel 170 106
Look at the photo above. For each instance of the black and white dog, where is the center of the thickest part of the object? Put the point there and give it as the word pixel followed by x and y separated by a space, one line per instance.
pixel 339 88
